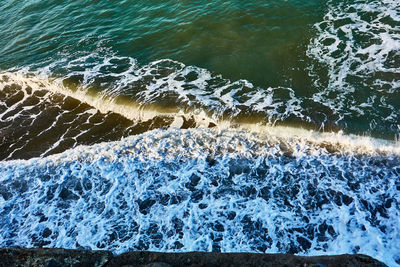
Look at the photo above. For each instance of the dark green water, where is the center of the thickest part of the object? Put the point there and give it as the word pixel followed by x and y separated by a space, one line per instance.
pixel 262 41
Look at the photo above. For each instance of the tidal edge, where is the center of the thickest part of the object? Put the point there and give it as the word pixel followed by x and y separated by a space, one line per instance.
pixel 54 257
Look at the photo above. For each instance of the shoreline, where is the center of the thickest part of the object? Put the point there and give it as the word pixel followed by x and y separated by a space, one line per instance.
pixel 74 257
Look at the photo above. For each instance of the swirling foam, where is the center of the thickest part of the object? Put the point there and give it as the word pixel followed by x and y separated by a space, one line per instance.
pixel 357 45
pixel 42 117
pixel 206 190
pixel 170 83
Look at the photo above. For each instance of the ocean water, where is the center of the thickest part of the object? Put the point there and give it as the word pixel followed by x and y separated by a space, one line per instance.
pixel 232 126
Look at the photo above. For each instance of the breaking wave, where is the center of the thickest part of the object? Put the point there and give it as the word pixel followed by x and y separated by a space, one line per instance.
pixel 208 190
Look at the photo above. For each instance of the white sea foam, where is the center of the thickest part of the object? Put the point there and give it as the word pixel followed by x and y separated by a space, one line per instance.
pixel 166 83
pixel 207 190
pixel 102 104
pixel 205 102
pixel 358 44
pixel 38 118
pixel 135 112
pixel 362 38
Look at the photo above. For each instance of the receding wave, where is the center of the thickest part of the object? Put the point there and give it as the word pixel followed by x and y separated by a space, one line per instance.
pixel 359 97
pixel 38 119
pixel 170 83
pixel 42 116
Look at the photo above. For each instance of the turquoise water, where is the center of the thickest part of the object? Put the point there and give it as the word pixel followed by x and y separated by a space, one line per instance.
pixel 264 126
pixel 258 40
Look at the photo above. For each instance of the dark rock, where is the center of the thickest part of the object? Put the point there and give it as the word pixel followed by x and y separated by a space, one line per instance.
pixel 331 231
pixel 175 200
pixel 321 200
pixel 178 224
pixel 196 196
pixel 63 257
pixel 53 257
pixel 322 228
pixel 211 161
pixel 177 245
pixel 211 259
pixel 164 199
pixel 214 183
pixel 388 203
pixel 157 264
pixel 265 193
